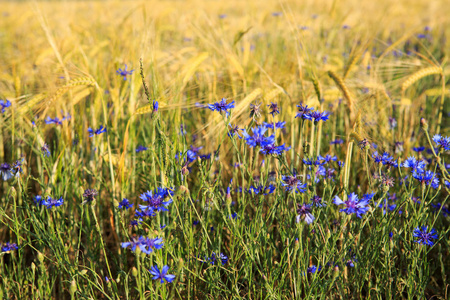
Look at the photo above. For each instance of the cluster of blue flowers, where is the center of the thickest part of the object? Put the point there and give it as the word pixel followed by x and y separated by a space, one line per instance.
pixel 7 171
pixel 308 113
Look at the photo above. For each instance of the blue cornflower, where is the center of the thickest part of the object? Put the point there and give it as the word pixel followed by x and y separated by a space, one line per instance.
pixel 424 237
pixel 392 122
pixel 439 207
pixel 6 171
pixel 155 106
pixel 354 205
pixel 234 131
pixel 274 109
pixel 418 149
pixel 149 244
pixel 223 258
pixel 46 150
pixel 260 189
pixel 50 202
pixel 317 200
pixel 38 200
pixel 304 212
pixel 258 138
pixel 141 148
pixel 328 158
pixel 337 142
pixel 89 195
pixel 313 269
pixel 442 142
pixel 222 106
pixel 4 104
pixel 233 216
pixel 17 167
pixel 310 162
pixel 293 183
pixel 9 247
pixel 125 204
pixel 124 72
pixel 274 150
pixel 135 242
pixel 414 164
pixel 278 125
pixel 385 159
pixel 316 116
pixel 161 275
pixel 56 121
pixel 426 177
pixel 100 130
pixel 156 198
pixel 303 111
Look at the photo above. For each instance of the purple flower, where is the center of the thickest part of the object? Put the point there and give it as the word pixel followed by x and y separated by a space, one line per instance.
pixel 293 183
pixel 9 247
pixel 274 109
pixel 274 150
pixel 424 237
pixel 161 275
pixel 316 116
pixel 221 106
pixel 50 202
pixel 337 142
pixel 89 195
pixel 156 199
pixel 426 177
pixel 304 212
pixel 124 72
pixel 46 150
pixel 303 111
pixel 354 205
pixel 6 171
pixel 125 204
pixel 316 200
pixel 100 130
pixel 4 104
pixel 442 142
pixel 278 125
pixel 258 138
pixel 234 130
pixel 141 148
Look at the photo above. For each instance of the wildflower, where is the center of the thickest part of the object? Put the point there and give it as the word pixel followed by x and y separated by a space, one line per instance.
pixel 274 150
pixel 313 269
pixel 293 183
pixel 337 142
pixel 221 106
pixel 265 190
pixel 125 204
pixel 304 212
pixel 7 247
pixel 17 167
pixel 316 116
pixel 258 138
pixel 100 130
pixel 155 106
pixel 156 198
pixel 223 258
pixel 233 216
pixel 234 130
pixel 4 104
pixel 318 201
pixel 440 208
pixel 135 242
pixel 354 205
pixel 38 200
pixel 45 150
pixel 56 121
pixel 6 171
pixel 392 123
pixel 424 237
pixel 195 222
pixel 418 149
pixel 89 195
pixel 274 109
pixel 398 147
pixel 124 72
pixel 149 244
pixel 161 275
pixel 414 164
pixel 385 159
pixel 278 125
pixel 50 202
pixel 426 177
pixel 442 142
pixel 364 144
pixel 141 148
pixel 255 111
pixel 302 111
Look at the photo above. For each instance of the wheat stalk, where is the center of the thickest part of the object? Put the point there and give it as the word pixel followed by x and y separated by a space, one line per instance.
pixel 345 91
pixel 419 75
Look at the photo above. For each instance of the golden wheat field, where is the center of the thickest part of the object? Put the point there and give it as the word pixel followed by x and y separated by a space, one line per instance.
pixel 232 213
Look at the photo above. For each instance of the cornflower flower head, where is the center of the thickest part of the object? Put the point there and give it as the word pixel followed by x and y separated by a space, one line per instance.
pixel 303 111
pixel 304 212
pixel 4 104
pixel 135 242
pixel 125 203
pixel 141 148
pixel 426 177
pixel 271 149
pixel 260 189
pixel 337 142
pixel 354 205
pixel 398 147
pixel 442 142
pixel 156 198
pixel 234 131
pixel 414 164
pixel 418 149
pixel 155 106
pixel 293 183
pixel 392 123
pixel 46 150
pixel 6 171
pixel 439 207
pixel 7 247
pixel 55 120
pixel 274 109
pixel 50 202
pixel 98 131
pixel 317 201
pixel 424 237
pixel 278 125
pixel 313 269
pixel 223 258
pixel 147 245
pixel 161 275
pixel 385 159
pixel 258 138
pixel 124 72
pixel 255 111
pixel 316 116
pixel 16 167
pixel 221 106
pixel 89 195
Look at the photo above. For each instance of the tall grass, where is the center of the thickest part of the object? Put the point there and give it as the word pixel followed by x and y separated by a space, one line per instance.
pixel 372 65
